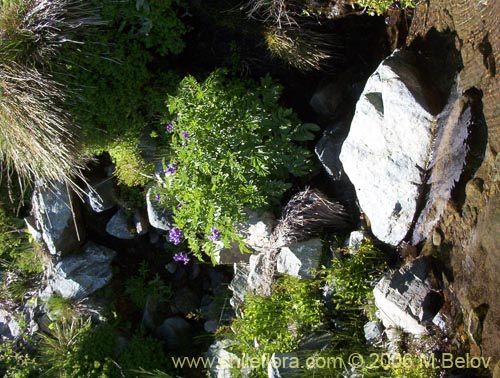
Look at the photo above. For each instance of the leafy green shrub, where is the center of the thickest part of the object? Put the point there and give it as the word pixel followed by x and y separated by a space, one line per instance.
pixel 231 149
pixel 16 361
pixel 139 288
pixel 278 322
pixel 379 7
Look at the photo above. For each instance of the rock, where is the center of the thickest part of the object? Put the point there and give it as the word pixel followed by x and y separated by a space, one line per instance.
pixel 57 214
pixel 300 259
pixel 284 365
pixel 118 226
pixel 222 359
pixel 328 150
pixel 141 222
pixel 79 275
pixel 158 217
pixel 373 332
pixel 211 326
pixel 153 236
pixel 408 298
pixel 9 329
pixel 186 300
pixel 394 339
pixel 171 267
pixel 102 197
pixel 440 321
pixel 35 233
pixel 239 285
pixel 255 232
pixel 354 241
pixel 257 278
pixel 389 145
pixel 176 332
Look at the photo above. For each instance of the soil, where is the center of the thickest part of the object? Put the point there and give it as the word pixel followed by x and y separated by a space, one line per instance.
pixel 468 235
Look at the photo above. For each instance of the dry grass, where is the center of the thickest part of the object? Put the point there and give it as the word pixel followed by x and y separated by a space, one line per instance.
pixel 38 138
pixel 301 48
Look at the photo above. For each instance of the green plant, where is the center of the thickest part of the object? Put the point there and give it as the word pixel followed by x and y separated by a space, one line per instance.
pixel 299 47
pixel 232 148
pixel 144 353
pixel 75 349
pixel 38 138
pixel 16 360
pixel 140 287
pixel 379 7
pixel 277 323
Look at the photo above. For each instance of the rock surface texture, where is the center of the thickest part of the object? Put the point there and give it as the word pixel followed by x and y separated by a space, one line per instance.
pixel 408 299
pixel 79 275
pixel 389 145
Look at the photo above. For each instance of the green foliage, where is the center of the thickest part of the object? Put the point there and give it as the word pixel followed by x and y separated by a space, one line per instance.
pixel 76 350
pixel 239 154
pixel 15 248
pixel 145 353
pixel 278 322
pixel 16 361
pixel 380 7
pixel 140 287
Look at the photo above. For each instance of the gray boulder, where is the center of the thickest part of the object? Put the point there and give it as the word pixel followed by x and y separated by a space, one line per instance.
pixel 355 240
pixel 9 329
pixel 389 145
pixel 79 275
pixel 328 150
pixel 118 226
pixel 222 359
pixel 185 300
pixel 300 259
pixel 102 197
pixel 57 215
pixel 176 332
pixel 239 284
pixel 157 216
pixel 408 298
pixel 373 332
pixel 32 229
pixel 327 98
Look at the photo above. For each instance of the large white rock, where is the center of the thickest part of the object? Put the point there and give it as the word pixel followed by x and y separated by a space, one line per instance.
pixel 389 141
pixel 157 216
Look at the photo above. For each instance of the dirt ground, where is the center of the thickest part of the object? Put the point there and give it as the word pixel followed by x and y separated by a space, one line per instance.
pixel 468 234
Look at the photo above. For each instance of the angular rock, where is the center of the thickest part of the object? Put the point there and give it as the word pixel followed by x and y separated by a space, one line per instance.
pixel 32 229
pixel 141 222
pixel 157 216
pixel 389 146
pixel 57 214
pixel 79 275
pixel 118 226
pixel 300 259
pixel 256 233
pixel 257 278
pixel 408 299
pixel 9 329
pixel 284 365
pixel 328 150
pixel 373 332
pixel 176 332
pixel 222 359
pixel 354 241
pixel 239 285
pixel 102 197
pixel 327 98
pixel 211 326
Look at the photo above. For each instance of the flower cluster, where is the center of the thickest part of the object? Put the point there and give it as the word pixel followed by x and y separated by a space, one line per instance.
pixel 185 134
pixel 158 196
pixel 182 257
pixel 175 235
pixel 215 234
pixel 171 169
pixel 170 127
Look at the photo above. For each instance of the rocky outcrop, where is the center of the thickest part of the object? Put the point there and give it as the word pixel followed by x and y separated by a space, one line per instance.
pixel 300 259
pixel 79 275
pixel 388 147
pixel 222 359
pixel 409 298
pixel 9 328
pixel 176 332
pixel 102 196
pixel 58 218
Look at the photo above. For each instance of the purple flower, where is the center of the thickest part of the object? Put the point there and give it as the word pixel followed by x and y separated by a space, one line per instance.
pixel 175 235
pixel 170 127
pixel 215 234
pixel 179 205
pixel 182 257
pixel 158 196
pixel 185 134
pixel 171 169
